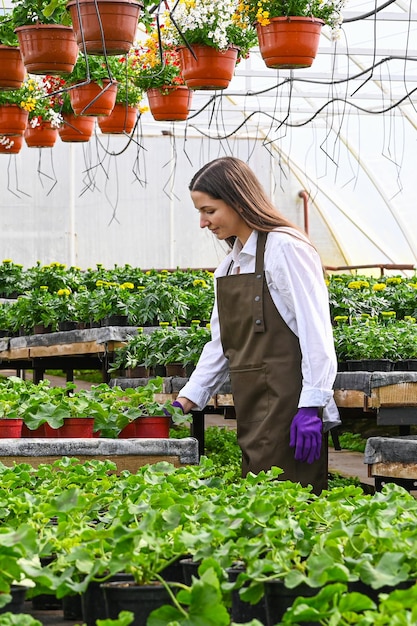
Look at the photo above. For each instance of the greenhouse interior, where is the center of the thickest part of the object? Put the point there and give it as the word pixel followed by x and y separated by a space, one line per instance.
pixel 182 444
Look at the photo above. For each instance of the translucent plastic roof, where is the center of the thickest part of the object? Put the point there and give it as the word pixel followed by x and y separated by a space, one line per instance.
pixel 344 130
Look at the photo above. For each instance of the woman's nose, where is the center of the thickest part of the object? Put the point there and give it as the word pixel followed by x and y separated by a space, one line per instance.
pixel 203 221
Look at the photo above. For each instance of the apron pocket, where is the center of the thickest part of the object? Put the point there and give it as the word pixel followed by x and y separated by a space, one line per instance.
pixel 250 394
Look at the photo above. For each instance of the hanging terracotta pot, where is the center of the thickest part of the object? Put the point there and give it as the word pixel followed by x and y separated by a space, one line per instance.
pixel 211 69
pixel 13 120
pixel 92 99
pixel 47 48
pixel 42 136
pixel 121 120
pixel 76 128
pixel 170 103
pixel 11 145
pixel 289 42
pixel 107 26
pixel 12 70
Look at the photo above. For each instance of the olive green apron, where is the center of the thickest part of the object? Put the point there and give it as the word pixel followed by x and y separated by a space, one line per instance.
pixel 265 372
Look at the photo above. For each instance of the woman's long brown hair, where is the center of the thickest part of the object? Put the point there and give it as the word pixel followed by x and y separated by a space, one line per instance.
pixel 232 180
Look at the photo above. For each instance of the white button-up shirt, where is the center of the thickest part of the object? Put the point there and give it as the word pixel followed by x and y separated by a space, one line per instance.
pixel 294 276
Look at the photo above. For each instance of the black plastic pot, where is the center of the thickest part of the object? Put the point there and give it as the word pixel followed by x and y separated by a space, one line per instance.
pixel 141 600
pixel 71 607
pixel 278 598
pixel 93 604
pixel 244 611
pixel 17 603
pixel 190 569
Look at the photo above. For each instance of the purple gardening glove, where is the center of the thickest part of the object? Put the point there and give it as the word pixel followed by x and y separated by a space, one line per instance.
pixel 175 403
pixel 306 434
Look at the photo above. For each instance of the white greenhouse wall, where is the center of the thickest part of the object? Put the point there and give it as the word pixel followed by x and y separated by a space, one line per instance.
pixel 113 202
pixel 79 205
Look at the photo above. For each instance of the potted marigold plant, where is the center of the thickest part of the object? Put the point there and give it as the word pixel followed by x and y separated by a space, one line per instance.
pixel 211 37
pixel 93 86
pixel 127 107
pixel 44 117
pixel 15 105
pixel 74 128
pixel 156 69
pixel 289 30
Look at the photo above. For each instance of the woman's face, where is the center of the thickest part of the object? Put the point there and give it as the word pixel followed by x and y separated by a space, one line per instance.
pixel 220 218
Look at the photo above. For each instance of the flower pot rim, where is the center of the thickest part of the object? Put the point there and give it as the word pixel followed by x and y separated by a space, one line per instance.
pixel 43 27
pixel 5 47
pixel 293 18
pixel 166 87
pixel 205 45
pixel 72 2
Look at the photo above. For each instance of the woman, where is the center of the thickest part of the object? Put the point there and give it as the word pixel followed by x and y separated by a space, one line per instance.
pixel 271 329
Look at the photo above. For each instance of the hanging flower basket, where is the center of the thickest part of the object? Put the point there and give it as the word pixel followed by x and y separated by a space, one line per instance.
pixel 11 145
pixel 289 42
pixel 210 69
pixel 12 69
pixel 121 120
pixel 42 136
pixel 76 128
pixel 13 120
pixel 170 103
pixel 107 26
pixel 47 48
pixel 92 99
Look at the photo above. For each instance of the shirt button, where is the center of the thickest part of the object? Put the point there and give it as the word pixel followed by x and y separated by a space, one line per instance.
pixel 258 275
pixel 257 298
pixel 258 322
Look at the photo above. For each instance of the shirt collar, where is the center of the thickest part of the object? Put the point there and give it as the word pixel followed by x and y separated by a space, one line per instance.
pixel 248 249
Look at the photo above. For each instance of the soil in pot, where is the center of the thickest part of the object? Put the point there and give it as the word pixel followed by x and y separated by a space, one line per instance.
pixel 141 600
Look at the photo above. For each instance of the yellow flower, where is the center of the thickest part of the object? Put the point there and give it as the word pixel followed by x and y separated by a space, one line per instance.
pixel 388 314
pixel 394 280
pixel 379 287
pixel 127 286
pixel 63 292
pixel 198 282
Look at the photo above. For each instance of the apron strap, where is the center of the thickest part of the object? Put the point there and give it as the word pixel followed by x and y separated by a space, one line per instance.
pixel 258 308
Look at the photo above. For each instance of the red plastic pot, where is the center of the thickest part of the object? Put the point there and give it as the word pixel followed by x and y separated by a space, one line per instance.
pixel 11 428
pixel 75 427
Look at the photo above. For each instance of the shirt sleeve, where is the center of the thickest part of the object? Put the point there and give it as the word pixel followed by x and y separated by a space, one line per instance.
pixel 296 283
pixel 212 369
